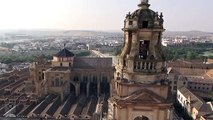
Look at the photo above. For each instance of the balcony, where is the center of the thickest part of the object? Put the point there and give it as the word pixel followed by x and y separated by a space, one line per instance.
pixel 147 66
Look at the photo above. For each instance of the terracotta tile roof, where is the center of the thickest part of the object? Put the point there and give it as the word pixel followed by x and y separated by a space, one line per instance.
pixel 199 79
pixel 190 72
pixel 208 116
pixel 27 110
pixel 92 106
pixel 18 109
pixel 196 101
pixel 54 106
pixel 190 64
pixel 59 69
pixel 81 104
pixel 210 73
pixel 43 104
pixel 90 62
pixel 206 108
pixel 210 61
pixel 68 104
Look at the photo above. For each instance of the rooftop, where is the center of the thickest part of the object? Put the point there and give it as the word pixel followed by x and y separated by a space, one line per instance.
pixel 59 69
pixel 64 53
pixel 196 101
pixel 91 63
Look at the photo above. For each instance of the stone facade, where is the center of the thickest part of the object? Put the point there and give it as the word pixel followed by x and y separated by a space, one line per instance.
pixel 195 106
pixel 195 75
pixel 37 69
pixel 140 88
pixel 84 75
pixel 80 85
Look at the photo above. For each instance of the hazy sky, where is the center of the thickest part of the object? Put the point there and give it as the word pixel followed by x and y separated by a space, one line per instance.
pixel 181 15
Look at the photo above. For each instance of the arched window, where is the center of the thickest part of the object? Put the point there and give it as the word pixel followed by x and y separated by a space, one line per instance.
pixel 75 79
pixel 94 79
pixel 57 82
pixel 43 75
pixel 53 83
pixel 141 118
pixel 143 49
pixel 104 79
pixel 85 79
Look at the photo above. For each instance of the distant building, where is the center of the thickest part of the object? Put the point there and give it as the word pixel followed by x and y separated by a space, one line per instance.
pixel 196 75
pixel 85 79
pixel 196 107
pixel 91 47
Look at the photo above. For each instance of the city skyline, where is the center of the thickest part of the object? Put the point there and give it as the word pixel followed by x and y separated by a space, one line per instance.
pixel 101 15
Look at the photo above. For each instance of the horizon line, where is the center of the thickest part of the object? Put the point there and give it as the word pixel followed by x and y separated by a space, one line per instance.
pixel 92 30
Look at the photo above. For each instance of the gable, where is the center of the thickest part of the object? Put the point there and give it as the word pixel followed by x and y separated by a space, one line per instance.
pixel 144 96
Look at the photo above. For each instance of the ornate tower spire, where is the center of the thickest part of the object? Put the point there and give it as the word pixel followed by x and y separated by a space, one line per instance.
pixel 141 70
pixel 145 1
pixel 144 4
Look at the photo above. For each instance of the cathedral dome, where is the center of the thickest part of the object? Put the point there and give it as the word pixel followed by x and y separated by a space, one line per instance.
pixel 64 53
pixel 63 58
pixel 145 17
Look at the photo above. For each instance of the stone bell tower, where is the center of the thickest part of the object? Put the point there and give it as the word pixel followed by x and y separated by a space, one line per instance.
pixel 139 89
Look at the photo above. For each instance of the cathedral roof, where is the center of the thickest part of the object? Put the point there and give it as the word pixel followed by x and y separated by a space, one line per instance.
pixel 64 53
pixel 92 63
pixel 143 14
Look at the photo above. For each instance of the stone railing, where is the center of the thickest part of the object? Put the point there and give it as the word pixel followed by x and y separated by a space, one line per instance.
pixel 151 66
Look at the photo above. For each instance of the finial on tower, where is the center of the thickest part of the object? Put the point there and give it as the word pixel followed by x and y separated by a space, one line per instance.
pixel 145 1
pixel 144 4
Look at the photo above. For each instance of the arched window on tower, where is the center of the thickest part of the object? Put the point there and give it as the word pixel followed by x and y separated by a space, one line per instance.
pixel 145 24
pixel 141 118
pixel 130 22
pixel 43 73
pixel 57 82
pixel 76 79
pixel 124 63
pixel 144 49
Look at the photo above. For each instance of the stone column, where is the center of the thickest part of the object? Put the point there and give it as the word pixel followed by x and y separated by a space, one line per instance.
pixel 111 90
pixel 141 65
pixel 77 89
pixel 88 85
pixel 98 88
pixel 149 65
pixel 134 45
pixel 101 76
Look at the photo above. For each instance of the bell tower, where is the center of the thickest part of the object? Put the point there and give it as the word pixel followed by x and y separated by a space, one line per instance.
pixel 139 88
pixel 142 41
